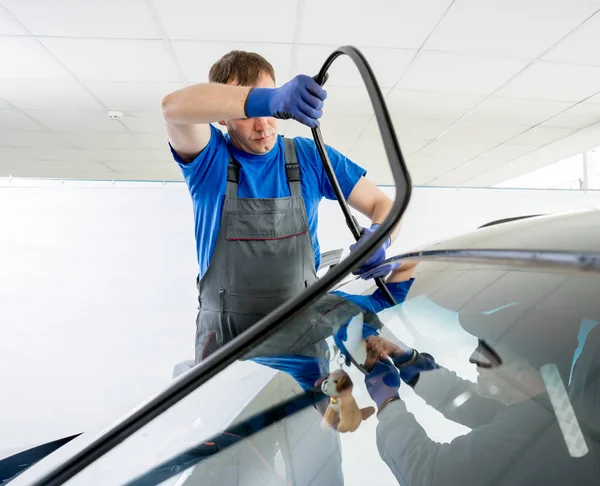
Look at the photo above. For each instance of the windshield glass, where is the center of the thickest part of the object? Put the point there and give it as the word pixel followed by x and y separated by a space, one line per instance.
pixel 479 374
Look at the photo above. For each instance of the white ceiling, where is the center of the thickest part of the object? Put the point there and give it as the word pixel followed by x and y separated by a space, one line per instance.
pixel 480 91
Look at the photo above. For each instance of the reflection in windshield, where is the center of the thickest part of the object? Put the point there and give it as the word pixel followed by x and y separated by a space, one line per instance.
pixel 446 412
pixel 528 421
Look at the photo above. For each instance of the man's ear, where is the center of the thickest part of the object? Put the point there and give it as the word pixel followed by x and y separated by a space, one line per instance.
pixel 222 123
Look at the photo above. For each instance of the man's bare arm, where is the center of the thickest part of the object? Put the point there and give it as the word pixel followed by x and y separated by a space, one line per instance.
pixel 369 200
pixel 403 272
pixel 189 111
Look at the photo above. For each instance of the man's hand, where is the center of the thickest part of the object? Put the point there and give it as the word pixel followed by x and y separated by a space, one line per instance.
pixel 410 362
pixel 369 267
pixel 383 349
pixel 383 383
pixel 300 99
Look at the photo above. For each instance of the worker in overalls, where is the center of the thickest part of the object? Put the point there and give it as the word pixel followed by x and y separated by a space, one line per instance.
pixel 255 194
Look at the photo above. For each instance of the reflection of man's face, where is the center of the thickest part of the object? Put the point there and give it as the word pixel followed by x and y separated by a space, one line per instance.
pixel 492 383
pixel 512 381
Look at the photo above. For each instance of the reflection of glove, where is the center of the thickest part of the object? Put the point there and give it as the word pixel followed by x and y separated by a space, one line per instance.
pixel 380 271
pixel 369 266
pixel 301 99
pixel 341 336
pixel 383 382
pixel 411 365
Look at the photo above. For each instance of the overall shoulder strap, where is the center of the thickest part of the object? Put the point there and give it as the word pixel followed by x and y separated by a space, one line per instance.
pixel 233 175
pixel 292 168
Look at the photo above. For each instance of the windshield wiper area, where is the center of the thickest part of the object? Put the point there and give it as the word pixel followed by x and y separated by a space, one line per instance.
pixel 269 325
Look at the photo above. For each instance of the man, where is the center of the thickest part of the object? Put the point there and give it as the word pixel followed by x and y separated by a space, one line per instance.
pixel 255 194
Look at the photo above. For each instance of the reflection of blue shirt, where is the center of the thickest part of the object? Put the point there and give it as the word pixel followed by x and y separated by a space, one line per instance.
pixel 376 302
pixel 307 370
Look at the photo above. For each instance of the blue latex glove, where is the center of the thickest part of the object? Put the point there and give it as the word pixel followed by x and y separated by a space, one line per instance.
pixel 368 268
pixel 300 99
pixel 383 382
pixel 409 373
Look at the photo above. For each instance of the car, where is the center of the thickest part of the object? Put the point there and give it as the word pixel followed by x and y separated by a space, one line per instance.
pixel 509 312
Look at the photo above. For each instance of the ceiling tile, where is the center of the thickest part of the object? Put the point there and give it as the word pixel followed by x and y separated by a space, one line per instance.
pixel 581 46
pixel 15 138
pixel 150 140
pixel 9 156
pixel 489 22
pixel 130 155
pixel 453 157
pixel 410 127
pixel 8 24
pixel 553 81
pixel 381 23
pixel 132 96
pixel 387 64
pixel 431 104
pixel 196 58
pixel 540 136
pixel 140 121
pixel 76 18
pixel 76 121
pixel 461 73
pixel 339 132
pixel 376 164
pixel 453 153
pixel 579 116
pixel 24 57
pixel 113 59
pixel 421 176
pixel 374 145
pixel 458 175
pixel 16 120
pixel 24 154
pixel 385 180
pixel 506 152
pixel 98 140
pixel 58 170
pixel 497 109
pixel 482 135
pixel 424 160
pixel 39 94
pixel 159 170
pixel 594 99
pixel 577 142
pixel 342 101
pixel 147 176
pixel 269 21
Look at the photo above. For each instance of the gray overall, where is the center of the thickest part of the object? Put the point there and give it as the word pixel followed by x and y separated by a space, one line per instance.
pixel 263 256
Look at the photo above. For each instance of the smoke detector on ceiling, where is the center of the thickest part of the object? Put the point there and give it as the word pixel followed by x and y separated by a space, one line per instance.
pixel 115 115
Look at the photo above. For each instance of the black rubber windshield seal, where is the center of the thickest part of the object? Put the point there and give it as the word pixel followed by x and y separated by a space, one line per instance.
pixel 270 324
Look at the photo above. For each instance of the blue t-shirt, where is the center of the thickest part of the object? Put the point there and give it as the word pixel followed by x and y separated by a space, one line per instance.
pixel 260 176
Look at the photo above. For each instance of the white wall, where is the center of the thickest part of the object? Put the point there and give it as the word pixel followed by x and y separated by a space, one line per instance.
pixel 97 289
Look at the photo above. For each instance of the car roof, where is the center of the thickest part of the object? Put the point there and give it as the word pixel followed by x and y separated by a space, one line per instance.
pixel 567 232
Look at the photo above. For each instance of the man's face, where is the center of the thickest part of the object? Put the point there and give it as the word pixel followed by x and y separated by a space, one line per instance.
pixel 254 135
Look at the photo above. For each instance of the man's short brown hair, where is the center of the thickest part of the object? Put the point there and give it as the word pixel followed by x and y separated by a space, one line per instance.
pixel 243 67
